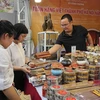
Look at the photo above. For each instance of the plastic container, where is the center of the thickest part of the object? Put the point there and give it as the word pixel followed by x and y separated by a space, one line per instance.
pixel 52 90
pixel 69 76
pixel 82 75
pixel 61 94
pixel 52 80
pixel 70 98
pixel 44 89
pixel 56 71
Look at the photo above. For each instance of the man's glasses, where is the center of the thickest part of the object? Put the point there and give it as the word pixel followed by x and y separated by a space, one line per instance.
pixel 65 25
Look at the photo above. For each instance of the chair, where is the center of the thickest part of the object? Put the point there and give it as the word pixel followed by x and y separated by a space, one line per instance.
pixel 95 34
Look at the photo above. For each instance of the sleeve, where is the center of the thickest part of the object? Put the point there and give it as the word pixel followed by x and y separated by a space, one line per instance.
pixel 85 32
pixel 6 72
pixel 58 41
pixel 4 62
pixel 23 51
pixel 9 51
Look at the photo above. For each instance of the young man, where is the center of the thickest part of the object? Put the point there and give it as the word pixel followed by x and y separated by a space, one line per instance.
pixel 72 35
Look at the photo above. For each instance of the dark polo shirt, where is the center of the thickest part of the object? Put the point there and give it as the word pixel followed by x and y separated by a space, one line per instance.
pixel 77 39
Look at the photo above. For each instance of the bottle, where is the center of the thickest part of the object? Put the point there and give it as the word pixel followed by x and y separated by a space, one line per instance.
pixel 44 89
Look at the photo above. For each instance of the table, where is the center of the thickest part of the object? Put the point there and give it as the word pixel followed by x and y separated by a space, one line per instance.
pixel 84 91
pixel 76 88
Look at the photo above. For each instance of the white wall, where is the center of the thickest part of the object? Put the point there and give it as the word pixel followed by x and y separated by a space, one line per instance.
pixel 8 16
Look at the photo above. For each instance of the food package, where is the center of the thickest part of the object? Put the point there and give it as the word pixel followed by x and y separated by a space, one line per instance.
pixel 44 54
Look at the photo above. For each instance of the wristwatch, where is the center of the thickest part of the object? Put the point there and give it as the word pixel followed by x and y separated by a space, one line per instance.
pixel 28 63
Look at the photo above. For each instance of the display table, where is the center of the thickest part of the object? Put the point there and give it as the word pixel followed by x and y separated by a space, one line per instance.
pixel 87 93
pixel 85 87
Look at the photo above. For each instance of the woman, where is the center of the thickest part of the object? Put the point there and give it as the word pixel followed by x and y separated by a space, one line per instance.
pixel 17 55
pixel 7 91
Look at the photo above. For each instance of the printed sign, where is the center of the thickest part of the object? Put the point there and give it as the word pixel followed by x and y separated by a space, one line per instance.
pixel 7 6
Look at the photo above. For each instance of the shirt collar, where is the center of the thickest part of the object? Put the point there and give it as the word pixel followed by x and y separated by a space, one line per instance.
pixel 2 46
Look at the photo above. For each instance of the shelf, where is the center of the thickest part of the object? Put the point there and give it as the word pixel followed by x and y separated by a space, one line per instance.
pixel 48 32
pixel 45 38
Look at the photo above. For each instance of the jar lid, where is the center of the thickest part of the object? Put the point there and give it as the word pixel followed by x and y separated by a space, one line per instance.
pixel 56 86
pixel 70 98
pixel 51 77
pixel 62 92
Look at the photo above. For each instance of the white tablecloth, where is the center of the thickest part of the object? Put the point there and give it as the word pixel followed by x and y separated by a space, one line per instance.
pixel 39 89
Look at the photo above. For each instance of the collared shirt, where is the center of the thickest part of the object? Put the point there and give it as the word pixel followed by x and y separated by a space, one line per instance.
pixel 6 69
pixel 17 54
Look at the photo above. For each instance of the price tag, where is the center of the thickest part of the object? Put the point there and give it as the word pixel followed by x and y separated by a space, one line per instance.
pixel 73 49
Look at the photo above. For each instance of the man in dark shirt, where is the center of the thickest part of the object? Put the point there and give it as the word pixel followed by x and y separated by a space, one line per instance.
pixel 72 35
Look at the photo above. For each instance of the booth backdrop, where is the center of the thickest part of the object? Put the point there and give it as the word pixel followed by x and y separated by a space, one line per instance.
pixel 84 12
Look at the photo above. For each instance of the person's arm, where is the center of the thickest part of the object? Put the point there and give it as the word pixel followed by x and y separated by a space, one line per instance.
pixel 29 62
pixel 54 49
pixel 89 39
pixel 22 68
pixel 46 54
pixel 11 93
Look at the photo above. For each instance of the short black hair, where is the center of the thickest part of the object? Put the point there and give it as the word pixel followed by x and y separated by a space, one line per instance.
pixel 68 16
pixel 20 28
pixel 7 27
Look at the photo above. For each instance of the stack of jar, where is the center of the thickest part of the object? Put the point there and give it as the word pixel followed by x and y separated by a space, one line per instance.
pixel 82 75
pixel 94 71
pixel 47 87
pixel 69 76
pixel 61 94
pixel 51 80
pixel 52 90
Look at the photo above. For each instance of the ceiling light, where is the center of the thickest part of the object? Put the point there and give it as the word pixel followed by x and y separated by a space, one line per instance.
pixel 38 1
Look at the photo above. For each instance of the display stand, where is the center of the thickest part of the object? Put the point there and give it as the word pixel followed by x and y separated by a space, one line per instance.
pixel 46 40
